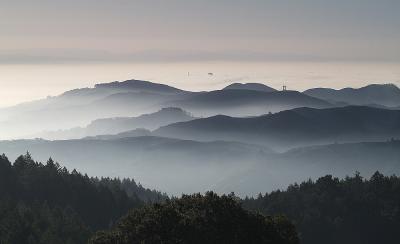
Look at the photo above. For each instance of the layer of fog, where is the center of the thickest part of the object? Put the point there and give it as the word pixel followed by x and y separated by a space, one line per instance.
pixel 177 166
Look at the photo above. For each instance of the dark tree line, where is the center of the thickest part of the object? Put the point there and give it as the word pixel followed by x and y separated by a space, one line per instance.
pixel 45 203
pixel 353 210
pixel 198 219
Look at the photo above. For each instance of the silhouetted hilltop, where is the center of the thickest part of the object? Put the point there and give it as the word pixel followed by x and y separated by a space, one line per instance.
pixel 234 97
pixel 106 89
pixel 250 86
pixel 386 95
pixel 139 85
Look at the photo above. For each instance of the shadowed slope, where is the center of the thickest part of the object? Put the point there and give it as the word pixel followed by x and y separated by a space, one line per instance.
pixel 302 126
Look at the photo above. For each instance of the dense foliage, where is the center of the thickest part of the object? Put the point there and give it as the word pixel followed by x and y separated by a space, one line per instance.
pixel 44 203
pixel 329 210
pixel 198 219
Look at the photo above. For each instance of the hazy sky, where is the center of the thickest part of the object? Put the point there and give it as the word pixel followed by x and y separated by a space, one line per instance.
pixel 76 30
pixel 61 32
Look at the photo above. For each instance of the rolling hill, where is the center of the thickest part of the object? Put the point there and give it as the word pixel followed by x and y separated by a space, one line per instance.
pixel 110 126
pixel 293 128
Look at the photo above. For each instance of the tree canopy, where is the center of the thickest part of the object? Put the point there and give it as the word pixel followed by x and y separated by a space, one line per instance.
pixel 353 210
pixel 199 219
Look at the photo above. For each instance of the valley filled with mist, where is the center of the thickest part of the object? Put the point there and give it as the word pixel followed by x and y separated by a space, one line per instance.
pixel 246 138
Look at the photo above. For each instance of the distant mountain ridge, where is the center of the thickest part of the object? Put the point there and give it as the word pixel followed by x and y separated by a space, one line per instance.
pixel 294 127
pixel 386 95
pixel 78 107
pixel 237 102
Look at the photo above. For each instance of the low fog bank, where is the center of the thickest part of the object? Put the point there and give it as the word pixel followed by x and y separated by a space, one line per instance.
pixel 181 166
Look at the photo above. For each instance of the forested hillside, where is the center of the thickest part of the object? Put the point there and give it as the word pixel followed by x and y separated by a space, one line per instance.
pixel 330 211
pixel 45 203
